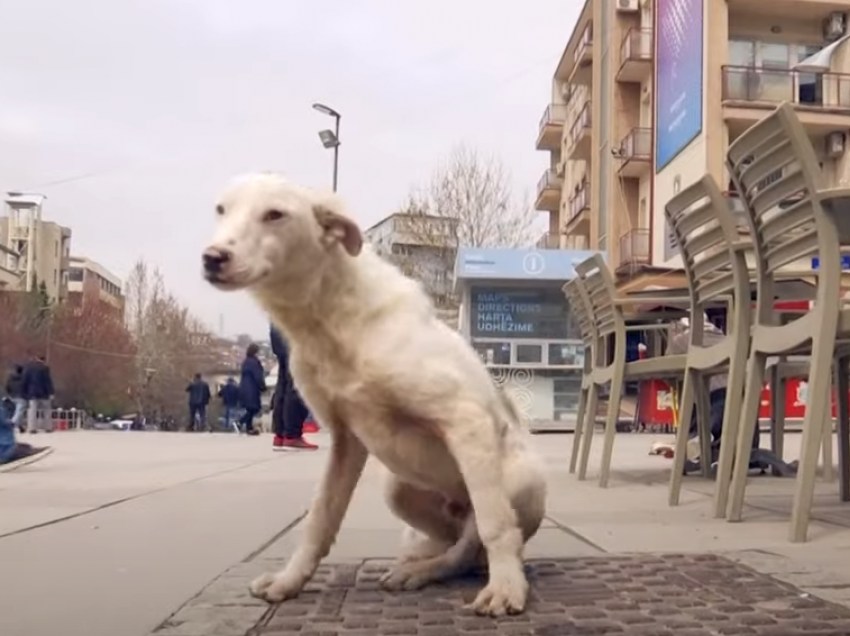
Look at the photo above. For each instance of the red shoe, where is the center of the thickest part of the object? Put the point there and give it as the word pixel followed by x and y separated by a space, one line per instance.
pixel 277 444
pixel 297 443
pixel 311 427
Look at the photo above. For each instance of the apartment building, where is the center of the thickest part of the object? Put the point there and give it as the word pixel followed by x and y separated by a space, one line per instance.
pixel 37 251
pixel 90 282
pixel 649 94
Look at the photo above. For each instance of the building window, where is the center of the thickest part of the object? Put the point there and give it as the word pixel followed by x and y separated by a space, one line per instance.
pixel 566 355
pixel 529 354
pixel 565 396
pixel 493 352
pixel 75 274
pixel 55 276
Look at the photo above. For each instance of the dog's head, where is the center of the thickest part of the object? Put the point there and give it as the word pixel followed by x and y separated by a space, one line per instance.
pixel 273 234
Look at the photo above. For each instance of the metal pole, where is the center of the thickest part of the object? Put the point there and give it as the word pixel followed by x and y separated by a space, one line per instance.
pixel 336 152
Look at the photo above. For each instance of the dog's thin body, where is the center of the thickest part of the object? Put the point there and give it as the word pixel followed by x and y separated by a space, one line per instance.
pixel 389 379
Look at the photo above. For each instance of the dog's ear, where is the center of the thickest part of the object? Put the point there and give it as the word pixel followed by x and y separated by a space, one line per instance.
pixel 338 229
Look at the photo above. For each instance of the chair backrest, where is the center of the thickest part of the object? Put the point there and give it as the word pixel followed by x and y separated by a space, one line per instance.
pixel 776 172
pixel 580 311
pixel 601 292
pixel 706 232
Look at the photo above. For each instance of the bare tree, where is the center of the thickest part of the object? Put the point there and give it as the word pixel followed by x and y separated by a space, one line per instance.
pixel 171 345
pixel 469 202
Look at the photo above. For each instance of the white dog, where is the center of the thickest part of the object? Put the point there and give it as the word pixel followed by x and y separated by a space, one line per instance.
pixel 386 377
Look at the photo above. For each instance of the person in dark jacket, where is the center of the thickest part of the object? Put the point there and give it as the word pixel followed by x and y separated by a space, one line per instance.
pixel 229 395
pixel 288 409
pixel 199 399
pixel 37 390
pixel 15 392
pixel 252 385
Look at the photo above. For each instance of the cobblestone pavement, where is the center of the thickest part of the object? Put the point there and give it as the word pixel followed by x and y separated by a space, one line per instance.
pixel 669 595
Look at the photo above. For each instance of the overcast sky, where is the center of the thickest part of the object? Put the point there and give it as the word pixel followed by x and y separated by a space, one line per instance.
pixel 160 102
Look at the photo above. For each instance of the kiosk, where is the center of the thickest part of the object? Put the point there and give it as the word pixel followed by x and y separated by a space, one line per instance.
pixel 516 317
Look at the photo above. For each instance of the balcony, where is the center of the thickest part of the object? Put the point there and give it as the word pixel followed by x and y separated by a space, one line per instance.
pixel 549 192
pixel 822 99
pixel 579 137
pixel 635 153
pixel 635 248
pixel 583 57
pixel 549 241
pixel 551 127
pixel 635 56
pixel 579 212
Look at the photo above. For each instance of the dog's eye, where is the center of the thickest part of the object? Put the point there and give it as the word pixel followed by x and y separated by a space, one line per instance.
pixel 219 209
pixel 273 215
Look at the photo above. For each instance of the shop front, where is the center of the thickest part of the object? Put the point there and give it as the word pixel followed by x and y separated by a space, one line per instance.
pixel 516 317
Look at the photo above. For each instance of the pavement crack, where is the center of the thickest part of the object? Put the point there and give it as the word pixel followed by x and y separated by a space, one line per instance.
pixel 576 535
pixel 264 546
pixel 123 500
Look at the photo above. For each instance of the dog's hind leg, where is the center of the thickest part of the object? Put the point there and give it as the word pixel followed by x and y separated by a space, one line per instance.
pixel 458 559
pixel 425 512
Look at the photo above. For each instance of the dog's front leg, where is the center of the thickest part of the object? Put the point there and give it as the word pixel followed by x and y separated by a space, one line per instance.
pixel 477 452
pixel 347 459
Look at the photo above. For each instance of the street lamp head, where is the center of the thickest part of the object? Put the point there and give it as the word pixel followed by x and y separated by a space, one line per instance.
pixel 326 110
pixel 328 138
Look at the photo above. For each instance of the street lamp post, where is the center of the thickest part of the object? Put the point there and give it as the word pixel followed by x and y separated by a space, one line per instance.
pixel 330 138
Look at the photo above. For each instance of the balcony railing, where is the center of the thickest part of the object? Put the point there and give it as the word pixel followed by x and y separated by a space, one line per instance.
pixel 637 144
pixel 581 124
pixel 634 247
pixel 580 201
pixel 549 181
pixel 636 46
pixel 774 86
pixel 554 115
pixel 583 45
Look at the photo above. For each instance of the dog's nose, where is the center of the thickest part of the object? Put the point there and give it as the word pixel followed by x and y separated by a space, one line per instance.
pixel 215 258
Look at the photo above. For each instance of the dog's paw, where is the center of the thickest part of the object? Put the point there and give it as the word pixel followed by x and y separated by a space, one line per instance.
pixel 273 588
pixel 503 596
pixel 406 576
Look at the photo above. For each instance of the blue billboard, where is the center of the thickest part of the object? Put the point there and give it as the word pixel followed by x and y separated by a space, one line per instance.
pixel 679 76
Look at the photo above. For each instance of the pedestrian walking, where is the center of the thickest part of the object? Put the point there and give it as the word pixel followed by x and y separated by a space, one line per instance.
pixel 229 394
pixel 288 409
pixel 252 385
pixel 37 390
pixel 199 399
pixel 15 392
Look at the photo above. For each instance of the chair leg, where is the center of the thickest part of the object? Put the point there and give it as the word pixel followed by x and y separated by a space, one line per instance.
pixel 731 415
pixel 686 409
pixel 827 450
pixel 704 425
pixel 744 436
pixel 842 405
pixel 779 391
pixel 818 408
pixel 582 407
pixel 587 433
pixel 611 427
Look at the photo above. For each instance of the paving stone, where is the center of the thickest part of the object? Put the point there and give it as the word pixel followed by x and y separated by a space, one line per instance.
pixel 640 595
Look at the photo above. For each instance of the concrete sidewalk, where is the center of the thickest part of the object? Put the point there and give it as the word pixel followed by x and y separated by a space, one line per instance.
pixel 602 563
pixel 139 533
